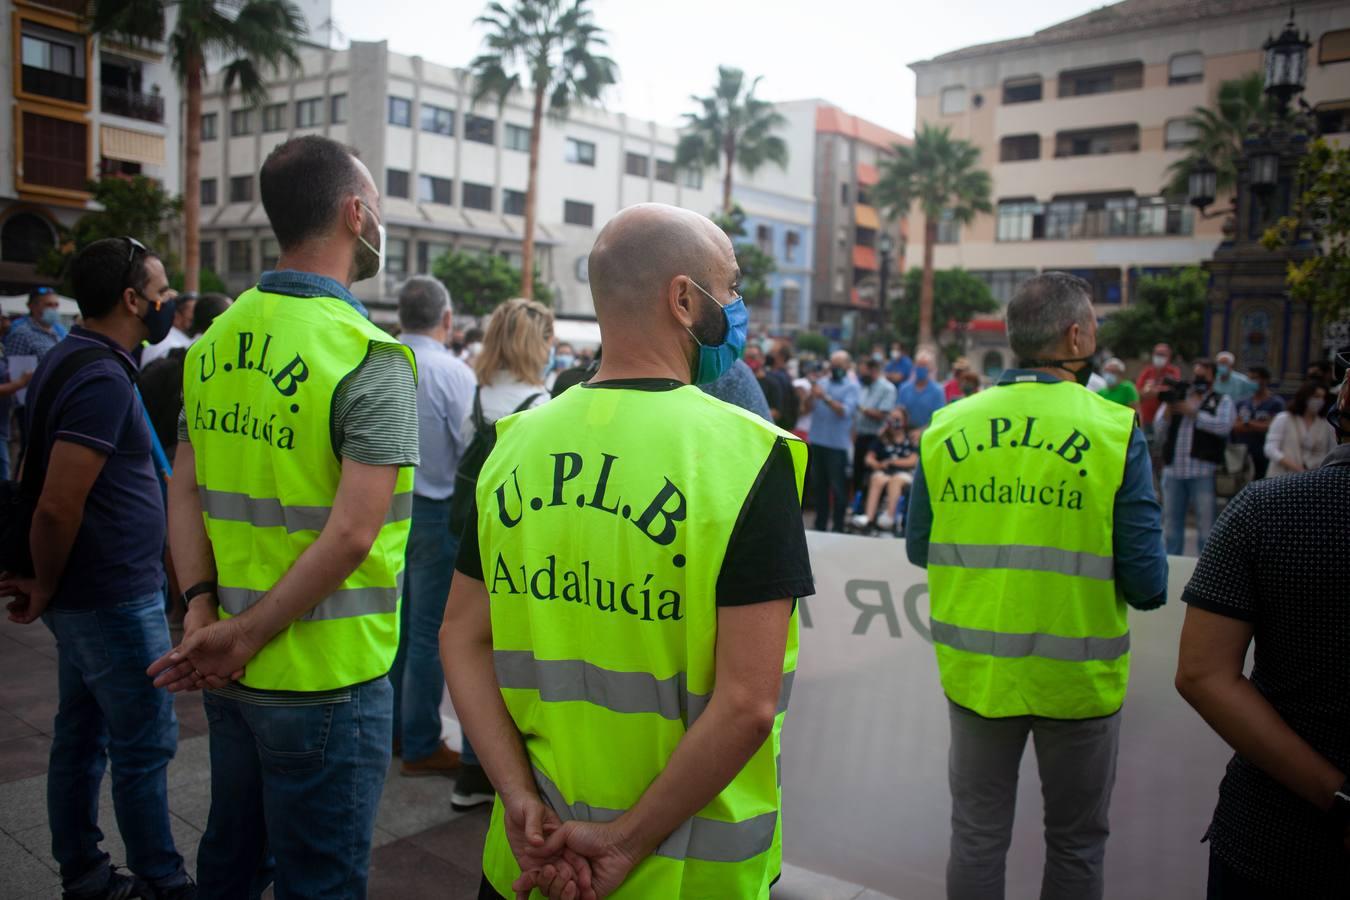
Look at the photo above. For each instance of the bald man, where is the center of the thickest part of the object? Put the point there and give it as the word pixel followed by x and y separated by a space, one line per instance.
pixel 621 630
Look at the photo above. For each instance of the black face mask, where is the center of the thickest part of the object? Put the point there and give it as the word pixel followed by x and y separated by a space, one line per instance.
pixel 837 374
pixel 1082 375
pixel 866 380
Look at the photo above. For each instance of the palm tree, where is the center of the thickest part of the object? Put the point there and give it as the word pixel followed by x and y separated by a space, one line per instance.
pixel 735 126
pixel 549 48
pixel 940 175
pixel 255 38
pixel 1241 105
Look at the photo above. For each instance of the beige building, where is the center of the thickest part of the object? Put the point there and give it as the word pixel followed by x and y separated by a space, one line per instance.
pixel 1078 123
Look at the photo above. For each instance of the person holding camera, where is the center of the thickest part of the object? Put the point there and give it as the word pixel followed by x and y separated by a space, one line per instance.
pixel 1195 422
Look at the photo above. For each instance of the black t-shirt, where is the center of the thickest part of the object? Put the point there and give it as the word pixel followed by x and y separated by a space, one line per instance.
pixel 885 450
pixel 1266 563
pixel 767 557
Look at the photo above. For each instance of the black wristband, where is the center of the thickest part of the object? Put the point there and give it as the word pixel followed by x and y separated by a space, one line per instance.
pixel 201 587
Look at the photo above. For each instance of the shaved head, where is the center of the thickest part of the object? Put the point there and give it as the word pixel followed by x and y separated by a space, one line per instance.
pixel 643 248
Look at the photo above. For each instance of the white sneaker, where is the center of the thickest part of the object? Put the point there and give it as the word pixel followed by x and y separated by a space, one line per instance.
pixel 884 522
pixel 860 521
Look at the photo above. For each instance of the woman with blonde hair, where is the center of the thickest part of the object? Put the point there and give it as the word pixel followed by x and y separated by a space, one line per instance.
pixel 516 357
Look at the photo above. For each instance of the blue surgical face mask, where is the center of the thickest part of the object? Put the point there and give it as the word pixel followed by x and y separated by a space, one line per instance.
pixel 1223 371
pixel 920 373
pixel 566 360
pixel 714 360
pixel 51 317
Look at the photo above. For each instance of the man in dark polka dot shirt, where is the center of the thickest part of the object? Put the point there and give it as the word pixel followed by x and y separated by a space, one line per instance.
pixel 1282 825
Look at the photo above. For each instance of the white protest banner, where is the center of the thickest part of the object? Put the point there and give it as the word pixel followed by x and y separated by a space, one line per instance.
pixel 865 745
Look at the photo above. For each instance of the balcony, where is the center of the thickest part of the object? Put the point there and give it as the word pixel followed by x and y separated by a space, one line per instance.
pixel 74 7
pixel 132 104
pixel 57 85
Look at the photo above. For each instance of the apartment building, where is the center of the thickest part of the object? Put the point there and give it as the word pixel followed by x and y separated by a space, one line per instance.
pixel 1077 125
pixel 77 108
pixel 453 176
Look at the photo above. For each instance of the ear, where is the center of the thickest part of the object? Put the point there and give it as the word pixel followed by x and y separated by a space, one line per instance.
pixel 353 214
pixel 680 298
pixel 129 299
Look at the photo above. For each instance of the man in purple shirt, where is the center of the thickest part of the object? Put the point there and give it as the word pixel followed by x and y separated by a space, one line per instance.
pixel 97 539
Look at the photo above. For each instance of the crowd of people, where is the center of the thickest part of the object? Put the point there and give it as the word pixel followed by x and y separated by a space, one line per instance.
pixel 601 555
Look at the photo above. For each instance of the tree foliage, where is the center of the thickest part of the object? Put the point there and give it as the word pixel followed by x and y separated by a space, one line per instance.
pixel 1322 214
pixel 137 207
pixel 756 266
pixel 479 283
pixel 942 176
pixel 1164 308
pixel 551 50
pixel 958 297
pixel 1241 105
pixel 734 126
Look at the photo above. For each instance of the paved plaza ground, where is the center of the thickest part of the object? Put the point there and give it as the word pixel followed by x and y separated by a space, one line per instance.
pixel 422 847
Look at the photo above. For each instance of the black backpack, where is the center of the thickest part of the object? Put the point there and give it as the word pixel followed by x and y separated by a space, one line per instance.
pixel 19 497
pixel 471 462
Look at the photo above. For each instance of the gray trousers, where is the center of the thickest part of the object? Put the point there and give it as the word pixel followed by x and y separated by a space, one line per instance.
pixel 1077 761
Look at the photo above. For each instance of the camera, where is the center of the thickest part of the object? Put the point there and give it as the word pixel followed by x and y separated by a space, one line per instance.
pixel 1175 390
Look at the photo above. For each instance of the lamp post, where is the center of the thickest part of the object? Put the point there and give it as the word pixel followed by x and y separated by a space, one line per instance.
pixel 1286 64
pixel 887 246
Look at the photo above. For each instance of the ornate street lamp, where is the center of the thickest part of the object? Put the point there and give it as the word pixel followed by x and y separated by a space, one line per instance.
pixel 1202 184
pixel 1263 160
pixel 1286 64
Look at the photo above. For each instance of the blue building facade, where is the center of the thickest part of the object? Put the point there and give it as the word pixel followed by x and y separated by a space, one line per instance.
pixel 784 228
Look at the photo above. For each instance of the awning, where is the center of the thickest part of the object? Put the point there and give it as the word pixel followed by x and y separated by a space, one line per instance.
pixel 864 258
pixel 131 146
pixel 866 216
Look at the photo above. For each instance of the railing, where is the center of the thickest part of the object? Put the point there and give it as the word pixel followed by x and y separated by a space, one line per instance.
pixel 133 104
pixel 59 86
pixel 74 7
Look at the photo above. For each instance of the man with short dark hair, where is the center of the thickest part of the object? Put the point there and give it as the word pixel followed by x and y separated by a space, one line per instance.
pixel 445 389
pixel 97 538
pixel 290 509
pixel 1193 424
pixel 1254 416
pixel 875 399
pixel 8 389
pixel 1033 511
pixel 39 331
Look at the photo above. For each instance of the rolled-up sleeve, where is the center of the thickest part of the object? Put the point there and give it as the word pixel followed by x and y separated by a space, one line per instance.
pixel 1141 563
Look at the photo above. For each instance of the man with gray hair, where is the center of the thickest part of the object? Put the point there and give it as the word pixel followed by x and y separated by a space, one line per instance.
pixel 1033 511
pixel 445 389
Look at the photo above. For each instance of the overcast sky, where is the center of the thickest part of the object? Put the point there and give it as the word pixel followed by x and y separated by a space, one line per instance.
pixel 853 53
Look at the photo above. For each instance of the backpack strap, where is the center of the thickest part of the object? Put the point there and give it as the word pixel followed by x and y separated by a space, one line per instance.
pixel 478 422
pixel 529 401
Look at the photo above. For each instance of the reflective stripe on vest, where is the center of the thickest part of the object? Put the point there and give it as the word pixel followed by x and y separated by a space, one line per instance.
pixel 1011 646
pixel 570 680
pixel 1028 558
pixel 268 512
pixel 698 838
pixel 341 604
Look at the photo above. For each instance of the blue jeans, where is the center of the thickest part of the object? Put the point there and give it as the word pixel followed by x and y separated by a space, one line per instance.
pixel 417 675
pixel 1179 494
pixel 110 712
pixel 294 791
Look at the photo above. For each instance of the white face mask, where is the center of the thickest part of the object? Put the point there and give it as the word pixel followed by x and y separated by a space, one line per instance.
pixel 1112 379
pixel 384 242
pixel 1159 361
pixel 1314 405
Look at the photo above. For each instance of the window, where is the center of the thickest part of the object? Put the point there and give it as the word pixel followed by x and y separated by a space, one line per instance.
pixel 693 178
pixel 56 151
pixel 271 252
pixel 1096 141
pixel 948 230
pixel 241 122
pixel 337 109
pixel 863 198
pixel 208 192
pixel 241 256
pixel 114 167
pixel 1022 90
pixel 438 120
pixel 53 63
pixel 427 253
pixel 792 304
pixel 274 117
pixel 1110 215
pixel 1003 283
pixel 1186 68
pixel 1105 283
pixel 843 193
pixel 1333 117
pixel 764 239
pixel 1334 47
pixel 396 256
pixel 207 255
pixel 477 196
pixel 1019 147
pixel 208 126
pixel 396 183
pixel 792 243
pixel 309 113
pixel 1019 220
pixel 480 129
pixel 1178 133
pixel 435 190
pixel 1101 80
pixel 665 171
pixel 636 164
pixel 517 138
pixel 953 101
pixel 513 202
pixel 400 112
pixel 576 213
pixel 580 152
pixel 241 189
